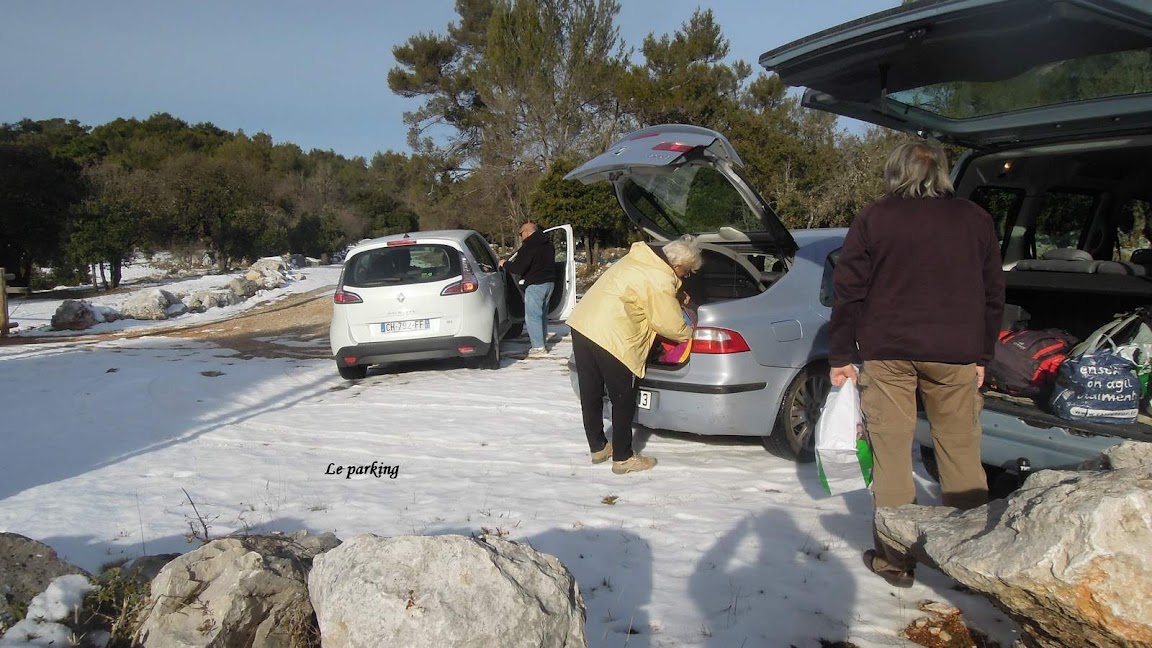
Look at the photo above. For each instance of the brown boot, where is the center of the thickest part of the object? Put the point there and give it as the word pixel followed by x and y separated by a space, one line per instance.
pixel 635 463
pixel 895 577
pixel 603 455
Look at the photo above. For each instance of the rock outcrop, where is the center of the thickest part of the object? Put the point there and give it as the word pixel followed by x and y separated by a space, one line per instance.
pixel 26 569
pixel 148 305
pixel 1126 455
pixel 48 613
pixel 1068 555
pixel 269 272
pixel 440 591
pixel 247 591
pixel 145 568
pixel 202 300
pixel 74 315
pixel 243 287
pixel 159 304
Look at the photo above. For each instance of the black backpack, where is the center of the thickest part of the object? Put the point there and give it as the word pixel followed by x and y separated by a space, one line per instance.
pixel 1026 361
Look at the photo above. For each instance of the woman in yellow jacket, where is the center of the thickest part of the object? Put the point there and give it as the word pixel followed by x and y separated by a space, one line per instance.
pixel 613 328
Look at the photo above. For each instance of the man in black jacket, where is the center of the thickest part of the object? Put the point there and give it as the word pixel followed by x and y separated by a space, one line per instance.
pixel 918 297
pixel 535 262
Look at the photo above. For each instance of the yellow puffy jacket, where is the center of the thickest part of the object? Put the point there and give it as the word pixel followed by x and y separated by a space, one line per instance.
pixel 629 305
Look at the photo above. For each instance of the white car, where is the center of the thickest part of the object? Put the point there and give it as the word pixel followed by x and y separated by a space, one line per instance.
pixel 433 295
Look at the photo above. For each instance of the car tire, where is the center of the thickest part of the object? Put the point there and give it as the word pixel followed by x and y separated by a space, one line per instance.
pixel 1001 483
pixel 514 331
pixel 355 372
pixel 491 360
pixel 793 434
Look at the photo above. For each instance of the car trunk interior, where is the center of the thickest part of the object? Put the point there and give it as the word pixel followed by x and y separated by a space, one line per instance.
pixel 729 270
pixel 1075 222
pixel 1047 201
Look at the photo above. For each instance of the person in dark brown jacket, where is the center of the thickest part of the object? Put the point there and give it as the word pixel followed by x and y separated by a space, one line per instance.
pixel 919 292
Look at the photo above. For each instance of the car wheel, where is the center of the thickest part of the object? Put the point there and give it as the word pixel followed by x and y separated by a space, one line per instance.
pixel 355 372
pixel 491 360
pixel 1001 483
pixel 514 331
pixel 794 433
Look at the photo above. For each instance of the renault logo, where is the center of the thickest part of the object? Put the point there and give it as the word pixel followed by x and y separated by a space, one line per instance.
pixel 400 298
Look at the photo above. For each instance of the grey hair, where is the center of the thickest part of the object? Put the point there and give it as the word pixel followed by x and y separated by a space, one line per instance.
pixel 684 252
pixel 917 170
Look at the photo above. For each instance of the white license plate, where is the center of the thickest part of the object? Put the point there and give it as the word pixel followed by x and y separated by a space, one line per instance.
pixel 405 326
pixel 645 399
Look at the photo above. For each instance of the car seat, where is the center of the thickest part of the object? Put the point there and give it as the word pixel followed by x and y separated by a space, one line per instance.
pixel 1061 260
pixel 1141 262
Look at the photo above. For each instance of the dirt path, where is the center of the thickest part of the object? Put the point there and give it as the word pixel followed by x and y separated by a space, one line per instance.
pixel 293 327
pixel 296 327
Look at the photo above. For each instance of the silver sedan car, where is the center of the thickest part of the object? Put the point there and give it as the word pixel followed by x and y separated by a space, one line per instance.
pixel 764 294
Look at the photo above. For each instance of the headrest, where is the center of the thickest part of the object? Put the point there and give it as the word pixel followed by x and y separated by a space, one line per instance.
pixel 1142 257
pixel 1066 254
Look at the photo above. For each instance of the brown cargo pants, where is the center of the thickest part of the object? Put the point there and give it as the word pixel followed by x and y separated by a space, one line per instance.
pixel 952 402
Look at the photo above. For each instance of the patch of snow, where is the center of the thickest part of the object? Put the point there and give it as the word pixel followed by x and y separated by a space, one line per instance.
pixel 38 627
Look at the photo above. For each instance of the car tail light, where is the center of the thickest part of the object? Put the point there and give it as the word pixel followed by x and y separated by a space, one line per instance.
pixel 467 281
pixel 344 297
pixel 350 360
pixel 402 242
pixel 673 146
pixel 717 340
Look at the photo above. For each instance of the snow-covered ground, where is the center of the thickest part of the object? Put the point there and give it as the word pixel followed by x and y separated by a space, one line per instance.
pixel 35 315
pixel 720 545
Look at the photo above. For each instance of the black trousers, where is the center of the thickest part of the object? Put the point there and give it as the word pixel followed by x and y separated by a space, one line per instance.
pixel 599 370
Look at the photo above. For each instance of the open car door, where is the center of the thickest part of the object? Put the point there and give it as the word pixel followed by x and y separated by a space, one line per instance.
pixel 564 295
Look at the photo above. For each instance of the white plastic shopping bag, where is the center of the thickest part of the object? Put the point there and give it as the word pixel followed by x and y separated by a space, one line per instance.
pixel 843 456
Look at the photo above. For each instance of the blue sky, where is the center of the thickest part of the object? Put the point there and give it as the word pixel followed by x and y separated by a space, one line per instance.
pixel 306 72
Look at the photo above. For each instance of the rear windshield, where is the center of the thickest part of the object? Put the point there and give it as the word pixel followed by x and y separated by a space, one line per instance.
pixel 1117 74
pixel 689 199
pixel 402 265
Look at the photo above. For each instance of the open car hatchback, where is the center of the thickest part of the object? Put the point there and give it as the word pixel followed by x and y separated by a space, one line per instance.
pixel 1053 99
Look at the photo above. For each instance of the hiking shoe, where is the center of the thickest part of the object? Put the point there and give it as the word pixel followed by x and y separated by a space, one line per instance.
pixel 603 455
pixel 895 577
pixel 536 352
pixel 635 463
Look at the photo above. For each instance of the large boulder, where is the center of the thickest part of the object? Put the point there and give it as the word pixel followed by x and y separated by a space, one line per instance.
pixel 50 611
pixel 444 592
pixel 266 264
pixel 236 592
pixel 243 287
pixel 74 315
pixel 202 300
pixel 145 569
pixel 269 272
pixel 26 569
pixel 1129 454
pixel 1068 555
pixel 148 304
